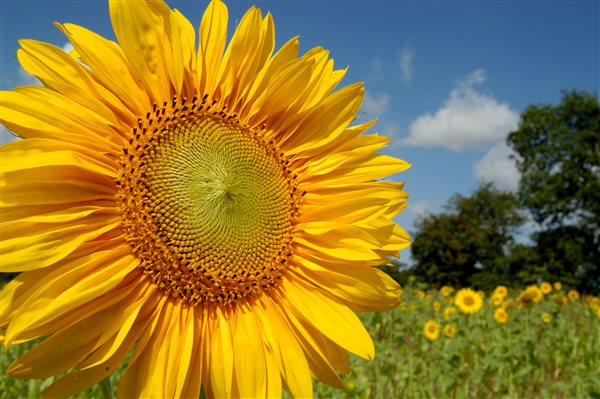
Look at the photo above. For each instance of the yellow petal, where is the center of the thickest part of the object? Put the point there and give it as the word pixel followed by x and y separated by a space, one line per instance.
pixel 325 121
pixel 140 29
pixel 64 349
pixel 334 320
pixel 243 57
pixel 286 351
pixel 109 66
pixel 361 288
pixel 25 112
pixel 249 365
pixel 90 278
pixel 82 312
pixel 219 358
pixel 62 73
pixel 213 36
pixel 323 356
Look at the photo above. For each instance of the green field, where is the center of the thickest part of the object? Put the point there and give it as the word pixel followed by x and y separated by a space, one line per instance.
pixel 546 349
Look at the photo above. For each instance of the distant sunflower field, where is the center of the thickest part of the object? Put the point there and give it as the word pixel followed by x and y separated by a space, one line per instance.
pixel 542 341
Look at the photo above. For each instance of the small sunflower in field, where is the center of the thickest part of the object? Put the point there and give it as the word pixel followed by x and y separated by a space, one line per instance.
pixel 436 305
pixel 558 286
pixel 204 205
pixel 500 291
pixel 560 299
pixel 573 295
pixel 419 294
pixel 431 330
pixel 592 301
pixel 507 304
pixel 546 288
pixel 446 290
pixel 481 294
pixel 501 315
pixel 449 312
pixel 496 300
pixel 531 294
pixel 450 330
pixel 468 301
pixel 546 317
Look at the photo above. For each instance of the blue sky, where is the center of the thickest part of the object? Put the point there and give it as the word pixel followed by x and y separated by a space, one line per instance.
pixel 447 79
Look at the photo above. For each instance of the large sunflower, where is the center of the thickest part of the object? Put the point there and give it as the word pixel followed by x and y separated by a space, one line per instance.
pixel 210 209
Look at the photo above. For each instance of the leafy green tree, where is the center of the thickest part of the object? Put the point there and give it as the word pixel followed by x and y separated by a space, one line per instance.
pixel 558 156
pixel 466 244
pixel 558 149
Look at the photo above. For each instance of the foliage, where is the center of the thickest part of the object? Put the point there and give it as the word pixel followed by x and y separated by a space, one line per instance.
pixel 467 243
pixel 558 150
pixel 558 156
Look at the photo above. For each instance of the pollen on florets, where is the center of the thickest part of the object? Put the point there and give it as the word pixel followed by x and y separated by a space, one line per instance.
pixel 207 205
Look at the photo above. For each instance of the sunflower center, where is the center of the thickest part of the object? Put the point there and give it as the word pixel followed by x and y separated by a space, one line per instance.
pixel 469 301
pixel 207 205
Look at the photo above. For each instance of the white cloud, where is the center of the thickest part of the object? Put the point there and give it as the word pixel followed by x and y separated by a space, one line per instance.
pixel 419 209
pixel 376 71
pixel 406 64
pixel 468 119
pixel 67 47
pixel 27 79
pixel 497 167
pixel 390 129
pixel 375 106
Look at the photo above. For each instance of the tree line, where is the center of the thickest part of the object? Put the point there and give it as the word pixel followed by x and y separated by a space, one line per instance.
pixel 548 230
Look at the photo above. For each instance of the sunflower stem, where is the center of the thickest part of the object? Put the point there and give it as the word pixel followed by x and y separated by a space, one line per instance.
pixel 105 388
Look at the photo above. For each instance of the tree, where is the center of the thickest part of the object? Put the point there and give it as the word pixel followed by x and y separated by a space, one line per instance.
pixel 467 243
pixel 558 156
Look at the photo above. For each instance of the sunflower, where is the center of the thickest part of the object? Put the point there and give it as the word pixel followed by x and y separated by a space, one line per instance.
pixel 573 295
pixel 560 299
pixel 496 300
pixel 449 312
pixel 500 291
pixel 501 315
pixel 431 330
pixel 558 286
pixel 209 208
pixel 546 318
pixel 546 288
pixel 450 330
pixel 531 294
pixel 468 301
pixel 436 305
pixel 446 290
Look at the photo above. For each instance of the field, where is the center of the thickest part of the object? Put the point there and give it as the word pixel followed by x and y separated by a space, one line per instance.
pixel 543 343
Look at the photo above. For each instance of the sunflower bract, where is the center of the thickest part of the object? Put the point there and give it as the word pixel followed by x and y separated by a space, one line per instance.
pixel 203 203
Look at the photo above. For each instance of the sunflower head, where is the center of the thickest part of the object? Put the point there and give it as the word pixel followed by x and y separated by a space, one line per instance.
pixel 431 330
pixel 468 301
pixel 500 291
pixel 546 288
pixel 449 311
pixel 446 290
pixel 546 318
pixel 450 330
pixel 209 205
pixel 573 295
pixel 501 315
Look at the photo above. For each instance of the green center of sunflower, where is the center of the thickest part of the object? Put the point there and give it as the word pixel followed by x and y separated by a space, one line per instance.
pixel 207 204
